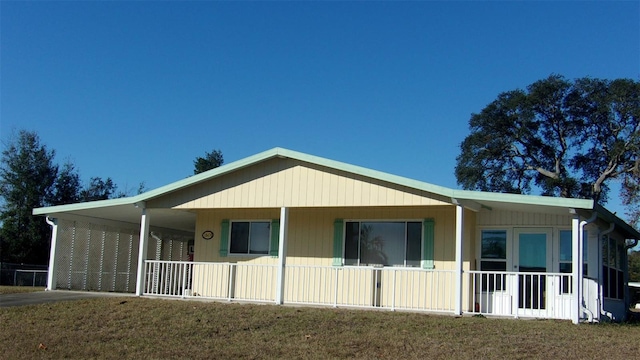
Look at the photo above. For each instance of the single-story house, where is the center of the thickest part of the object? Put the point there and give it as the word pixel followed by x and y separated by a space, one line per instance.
pixel 290 228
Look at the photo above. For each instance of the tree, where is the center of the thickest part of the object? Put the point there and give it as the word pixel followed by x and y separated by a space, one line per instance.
pixel 66 189
pixel 211 160
pixel 27 174
pixel 98 189
pixel 559 138
pixel 634 265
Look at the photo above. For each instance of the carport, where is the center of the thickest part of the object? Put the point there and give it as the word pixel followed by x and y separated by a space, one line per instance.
pixel 96 245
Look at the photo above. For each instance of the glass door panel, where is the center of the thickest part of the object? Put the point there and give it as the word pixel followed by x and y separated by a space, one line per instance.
pixel 533 255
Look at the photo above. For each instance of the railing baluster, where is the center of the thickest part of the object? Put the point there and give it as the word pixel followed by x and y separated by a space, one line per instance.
pixel 335 288
pixel 492 292
pixel 230 282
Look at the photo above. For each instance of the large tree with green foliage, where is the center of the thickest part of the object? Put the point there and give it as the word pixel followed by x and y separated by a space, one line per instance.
pixel 29 179
pixel 211 160
pixel 558 137
pixel 634 265
pixel 66 189
pixel 98 189
pixel 27 174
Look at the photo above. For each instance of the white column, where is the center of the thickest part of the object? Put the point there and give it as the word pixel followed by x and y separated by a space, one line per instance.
pixel 282 255
pixel 51 273
pixel 576 275
pixel 142 249
pixel 459 243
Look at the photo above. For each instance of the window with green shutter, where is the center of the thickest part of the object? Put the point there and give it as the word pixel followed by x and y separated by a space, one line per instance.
pixel 338 231
pixel 275 237
pixel 249 237
pixel 224 238
pixel 385 243
pixel 428 235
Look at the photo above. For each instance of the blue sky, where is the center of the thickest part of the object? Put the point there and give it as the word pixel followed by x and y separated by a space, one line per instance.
pixel 136 90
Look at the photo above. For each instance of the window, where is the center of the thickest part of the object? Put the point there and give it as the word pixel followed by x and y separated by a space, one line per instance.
pixel 493 257
pixel 612 273
pixel 250 237
pixel 388 243
pixel 566 256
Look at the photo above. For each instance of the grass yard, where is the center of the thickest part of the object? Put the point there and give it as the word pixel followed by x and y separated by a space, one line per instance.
pixel 132 327
pixel 18 289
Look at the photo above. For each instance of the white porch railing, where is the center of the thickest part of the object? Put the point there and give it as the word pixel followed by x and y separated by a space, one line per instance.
pixel 367 287
pixel 525 294
pixel 543 295
pixel 370 287
pixel 167 278
pixel 228 281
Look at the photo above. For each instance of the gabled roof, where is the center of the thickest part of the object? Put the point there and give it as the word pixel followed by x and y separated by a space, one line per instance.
pixel 478 196
pixel 470 199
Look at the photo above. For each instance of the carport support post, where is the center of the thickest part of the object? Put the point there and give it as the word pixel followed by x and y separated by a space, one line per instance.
pixel 576 274
pixel 142 250
pixel 458 273
pixel 282 255
pixel 51 274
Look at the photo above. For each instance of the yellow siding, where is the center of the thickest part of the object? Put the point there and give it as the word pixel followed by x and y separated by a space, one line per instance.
pixel 291 183
pixel 209 250
pixel 310 243
pixel 311 232
pixel 211 280
pixel 519 218
pixel 417 289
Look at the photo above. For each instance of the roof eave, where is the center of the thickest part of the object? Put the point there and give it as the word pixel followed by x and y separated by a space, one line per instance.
pixel 481 197
pixel 610 217
pixel 285 153
pixel 86 205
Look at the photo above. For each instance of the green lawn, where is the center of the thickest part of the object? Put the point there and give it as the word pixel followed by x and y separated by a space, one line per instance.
pixel 153 328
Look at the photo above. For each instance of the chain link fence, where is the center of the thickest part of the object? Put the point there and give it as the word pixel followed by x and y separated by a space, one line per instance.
pixel 23 274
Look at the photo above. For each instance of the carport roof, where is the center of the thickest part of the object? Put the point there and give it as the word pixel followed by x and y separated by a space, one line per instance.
pixel 127 209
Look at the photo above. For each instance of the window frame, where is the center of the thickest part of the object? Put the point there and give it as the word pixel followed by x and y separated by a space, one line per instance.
pixel 613 271
pixel 359 260
pixel 566 282
pixel 494 283
pixel 248 253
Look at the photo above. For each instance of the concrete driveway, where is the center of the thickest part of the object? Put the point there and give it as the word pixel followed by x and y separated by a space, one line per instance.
pixel 41 297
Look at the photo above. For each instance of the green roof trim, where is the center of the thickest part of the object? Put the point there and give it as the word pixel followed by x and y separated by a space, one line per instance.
pixel 86 205
pixel 445 194
pixel 523 199
pixel 471 199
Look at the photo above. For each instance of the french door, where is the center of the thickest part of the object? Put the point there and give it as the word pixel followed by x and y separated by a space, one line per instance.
pixel 532 259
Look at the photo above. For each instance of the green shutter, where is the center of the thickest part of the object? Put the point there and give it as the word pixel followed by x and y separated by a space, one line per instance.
pixel 224 238
pixel 275 236
pixel 427 246
pixel 338 235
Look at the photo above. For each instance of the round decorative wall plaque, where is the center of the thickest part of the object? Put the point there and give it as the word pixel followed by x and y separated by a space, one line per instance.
pixel 207 235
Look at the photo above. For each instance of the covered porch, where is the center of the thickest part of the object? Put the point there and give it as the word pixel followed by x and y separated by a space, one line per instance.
pixel 452 283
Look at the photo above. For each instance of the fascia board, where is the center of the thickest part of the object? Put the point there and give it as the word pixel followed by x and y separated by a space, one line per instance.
pixel 285 153
pixel 610 217
pixel 208 175
pixel 85 205
pixel 450 195
pixel 480 196
pixel 374 174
